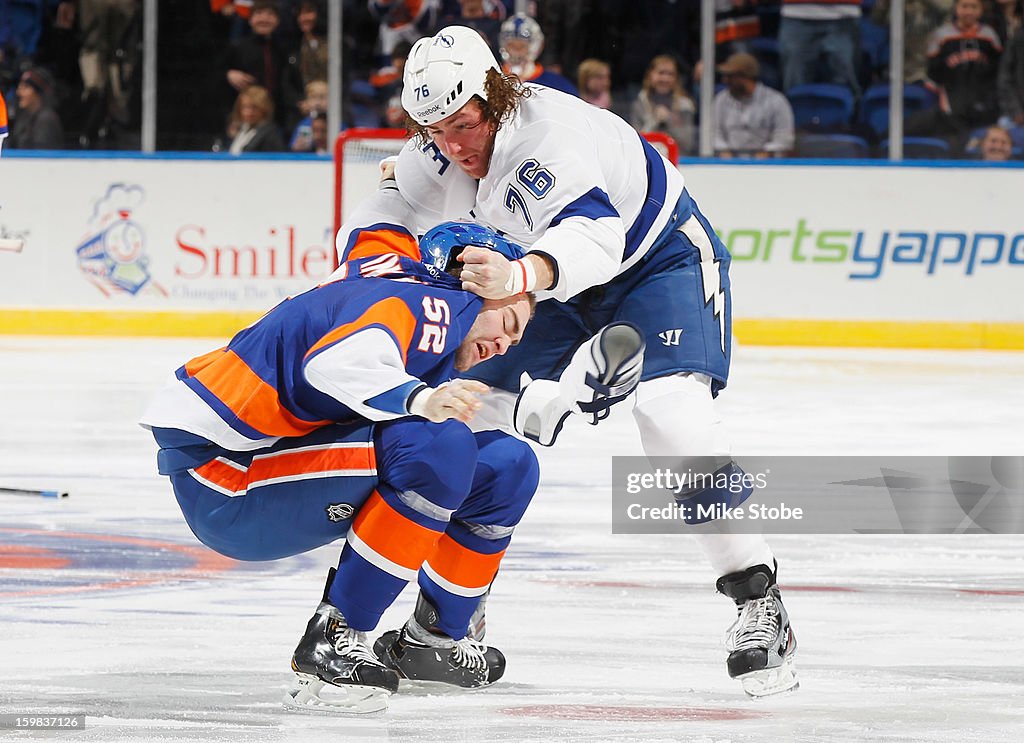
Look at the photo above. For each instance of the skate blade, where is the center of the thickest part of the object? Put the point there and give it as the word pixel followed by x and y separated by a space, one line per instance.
pixel 429 687
pixel 771 680
pixel 312 694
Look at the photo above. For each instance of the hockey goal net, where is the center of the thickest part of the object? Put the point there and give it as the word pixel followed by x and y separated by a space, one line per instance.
pixel 357 153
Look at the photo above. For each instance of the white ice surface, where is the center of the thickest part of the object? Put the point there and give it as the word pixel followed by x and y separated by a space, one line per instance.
pixel 609 638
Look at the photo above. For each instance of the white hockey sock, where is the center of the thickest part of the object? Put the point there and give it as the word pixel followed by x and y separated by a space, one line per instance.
pixel 729 553
pixel 676 417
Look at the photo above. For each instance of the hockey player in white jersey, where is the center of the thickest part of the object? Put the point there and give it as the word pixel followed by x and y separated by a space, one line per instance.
pixel 612 235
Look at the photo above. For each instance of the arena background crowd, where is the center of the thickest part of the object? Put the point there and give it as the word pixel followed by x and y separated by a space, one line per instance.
pixel 794 78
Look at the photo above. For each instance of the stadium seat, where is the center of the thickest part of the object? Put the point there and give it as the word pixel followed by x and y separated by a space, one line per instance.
pixel 821 106
pixel 767 53
pixel 973 147
pixel 916 97
pixel 874 107
pixel 842 146
pixel 1017 136
pixel 922 148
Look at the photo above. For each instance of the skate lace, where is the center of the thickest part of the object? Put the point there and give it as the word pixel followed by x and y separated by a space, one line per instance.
pixel 352 643
pixel 469 654
pixel 757 625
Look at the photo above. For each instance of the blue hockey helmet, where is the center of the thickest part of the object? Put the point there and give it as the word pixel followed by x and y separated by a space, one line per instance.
pixel 443 244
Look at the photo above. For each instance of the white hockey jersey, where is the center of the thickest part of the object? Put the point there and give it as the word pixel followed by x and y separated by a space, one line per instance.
pixel 566 179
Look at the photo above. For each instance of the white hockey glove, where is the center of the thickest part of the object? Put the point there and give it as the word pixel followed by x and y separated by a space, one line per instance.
pixel 602 372
pixel 456 399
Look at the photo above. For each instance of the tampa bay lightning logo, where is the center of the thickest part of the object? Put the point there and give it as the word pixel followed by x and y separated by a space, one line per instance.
pixel 444 40
pixel 112 255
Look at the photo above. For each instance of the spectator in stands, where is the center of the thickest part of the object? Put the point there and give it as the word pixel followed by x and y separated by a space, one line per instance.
pixel 921 18
pixel 313 47
pixel 595 82
pixel 314 103
pixel 35 125
pixel 402 20
pixel 1011 81
pixel 251 126
pixel 751 119
pixel 260 59
pixel 312 136
pixel 819 43
pixel 521 42
pixel 963 61
pixel 321 142
pixel 388 83
pixel 736 23
pixel 107 59
pixel 316 100
pixel 483 16
pixel 662 106
pixel 996 146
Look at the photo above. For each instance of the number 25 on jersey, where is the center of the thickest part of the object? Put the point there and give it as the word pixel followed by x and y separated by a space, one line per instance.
pixel 435 327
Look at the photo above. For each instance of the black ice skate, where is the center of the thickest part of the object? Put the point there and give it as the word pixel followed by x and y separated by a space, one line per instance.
pixel 761 642
pixel 422 652
pixel 337 671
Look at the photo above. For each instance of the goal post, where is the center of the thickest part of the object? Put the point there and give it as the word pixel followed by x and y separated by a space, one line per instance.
pixel 357 153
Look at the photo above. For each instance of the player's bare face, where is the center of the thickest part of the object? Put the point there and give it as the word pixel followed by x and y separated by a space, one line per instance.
pixel 498 327
pixel 466 138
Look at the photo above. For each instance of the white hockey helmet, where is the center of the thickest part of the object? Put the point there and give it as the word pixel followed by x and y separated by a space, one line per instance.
pixel 443 72
pixel 523 27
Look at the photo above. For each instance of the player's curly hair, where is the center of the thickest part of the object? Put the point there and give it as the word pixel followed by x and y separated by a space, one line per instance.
pixel 504 92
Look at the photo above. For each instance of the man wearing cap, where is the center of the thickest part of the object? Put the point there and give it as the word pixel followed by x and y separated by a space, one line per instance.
pixel 36 125
pixel 751 119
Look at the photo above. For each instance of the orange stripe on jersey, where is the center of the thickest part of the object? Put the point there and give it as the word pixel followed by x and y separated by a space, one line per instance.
pixel 255 402
pixel 392 313
pixel 289 463
pixel 392 535
pixel 462 566
pixel 382 242
pixel 223 475
pixel 194 366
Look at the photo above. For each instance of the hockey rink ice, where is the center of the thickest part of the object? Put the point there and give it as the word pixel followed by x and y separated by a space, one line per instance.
pixel 110 608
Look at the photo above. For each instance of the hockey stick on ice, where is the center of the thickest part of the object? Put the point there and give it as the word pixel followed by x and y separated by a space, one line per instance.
pixel 30 491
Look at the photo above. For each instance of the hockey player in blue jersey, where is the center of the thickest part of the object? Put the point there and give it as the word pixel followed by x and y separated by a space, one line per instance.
pixel 612 234
pixel 336 415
